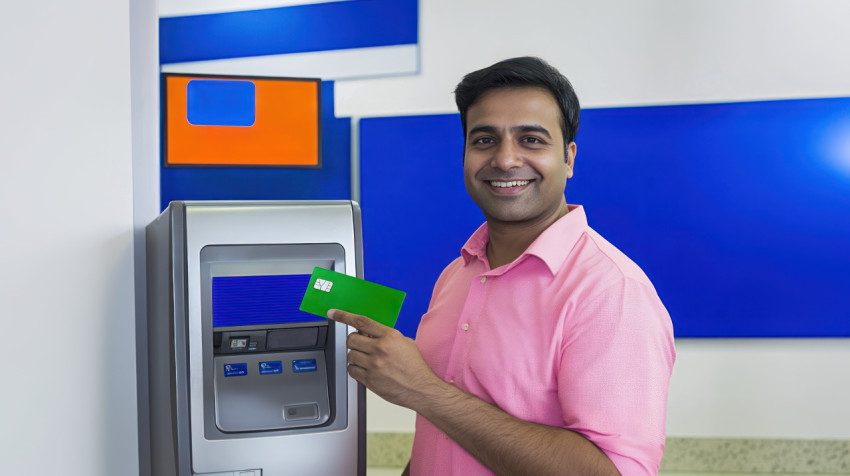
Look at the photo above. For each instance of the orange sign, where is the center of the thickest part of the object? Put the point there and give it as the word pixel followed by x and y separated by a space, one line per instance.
pixel 285 130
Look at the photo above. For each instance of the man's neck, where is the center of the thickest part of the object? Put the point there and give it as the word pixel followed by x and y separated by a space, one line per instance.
pixel 509 240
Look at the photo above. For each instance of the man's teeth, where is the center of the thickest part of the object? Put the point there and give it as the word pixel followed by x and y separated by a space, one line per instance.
pixel 514 183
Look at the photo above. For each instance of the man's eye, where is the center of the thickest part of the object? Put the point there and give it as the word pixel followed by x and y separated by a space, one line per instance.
pixel 483 140
pixel 532 140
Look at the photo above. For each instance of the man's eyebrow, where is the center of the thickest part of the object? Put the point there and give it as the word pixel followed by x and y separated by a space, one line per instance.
pixel 482 129
pixel 487 129
pixel 532 128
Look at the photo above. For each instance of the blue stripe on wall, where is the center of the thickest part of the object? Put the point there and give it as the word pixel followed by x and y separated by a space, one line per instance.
pixel 737 212
pixel 294 29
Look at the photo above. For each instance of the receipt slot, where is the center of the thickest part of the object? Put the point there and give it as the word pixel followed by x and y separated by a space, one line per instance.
pixel 243 383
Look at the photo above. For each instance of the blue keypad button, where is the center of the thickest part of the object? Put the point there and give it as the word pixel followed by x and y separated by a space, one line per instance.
pixel 275 367
pixel 235 370
pixel 304 365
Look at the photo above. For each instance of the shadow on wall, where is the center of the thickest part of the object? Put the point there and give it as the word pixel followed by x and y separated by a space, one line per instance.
pixel 119 398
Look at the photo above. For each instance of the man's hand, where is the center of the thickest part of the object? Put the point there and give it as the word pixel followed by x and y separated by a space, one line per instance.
pixel 385 361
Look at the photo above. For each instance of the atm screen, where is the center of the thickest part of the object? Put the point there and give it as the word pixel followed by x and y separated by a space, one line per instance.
pixel 259 300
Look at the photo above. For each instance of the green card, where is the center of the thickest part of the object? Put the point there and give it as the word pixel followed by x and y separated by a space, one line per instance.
pixel 331 290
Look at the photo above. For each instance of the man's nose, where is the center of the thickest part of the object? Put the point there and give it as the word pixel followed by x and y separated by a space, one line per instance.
pixel 506 156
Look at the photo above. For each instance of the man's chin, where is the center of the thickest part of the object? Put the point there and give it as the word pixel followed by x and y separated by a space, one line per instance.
pixel 508 215
pixel 519 214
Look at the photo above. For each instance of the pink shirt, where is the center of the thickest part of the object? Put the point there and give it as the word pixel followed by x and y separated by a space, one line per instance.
pixel 571 334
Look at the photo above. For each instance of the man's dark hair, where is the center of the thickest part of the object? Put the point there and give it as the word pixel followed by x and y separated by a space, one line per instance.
pixel 523 72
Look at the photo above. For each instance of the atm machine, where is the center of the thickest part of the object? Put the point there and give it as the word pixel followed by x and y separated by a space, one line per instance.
pixel 242 383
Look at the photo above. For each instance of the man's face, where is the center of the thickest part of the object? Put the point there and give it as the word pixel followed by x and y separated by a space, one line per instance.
pixel 514 164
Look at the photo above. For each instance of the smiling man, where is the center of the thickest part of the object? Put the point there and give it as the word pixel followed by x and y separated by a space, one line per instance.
pixel 545 350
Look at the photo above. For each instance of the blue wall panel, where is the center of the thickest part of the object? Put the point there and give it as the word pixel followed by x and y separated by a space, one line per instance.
pixel 739 213
pixel 416 213
pixel 330 182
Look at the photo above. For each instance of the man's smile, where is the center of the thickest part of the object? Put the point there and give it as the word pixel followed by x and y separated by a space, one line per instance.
pixel 510 183
pixel 508 187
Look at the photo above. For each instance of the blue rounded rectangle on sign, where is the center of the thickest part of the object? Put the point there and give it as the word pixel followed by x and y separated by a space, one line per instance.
pixel 216 102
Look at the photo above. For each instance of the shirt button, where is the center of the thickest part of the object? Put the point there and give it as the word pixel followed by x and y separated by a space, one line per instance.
pixel 466 327
pixel 484 280
pixel 452 381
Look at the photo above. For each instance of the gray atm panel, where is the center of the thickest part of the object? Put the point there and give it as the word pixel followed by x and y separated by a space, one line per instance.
pixel 248 400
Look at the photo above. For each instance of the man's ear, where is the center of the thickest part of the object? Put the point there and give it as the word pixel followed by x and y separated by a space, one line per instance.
pixel 570 158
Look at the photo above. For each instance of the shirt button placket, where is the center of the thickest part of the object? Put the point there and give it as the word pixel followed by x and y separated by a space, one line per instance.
pixel 475 297
pixel 465 325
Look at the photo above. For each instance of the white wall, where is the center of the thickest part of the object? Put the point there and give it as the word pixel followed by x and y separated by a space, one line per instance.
pixel 144 84
pixel 622 52
pixel 68 399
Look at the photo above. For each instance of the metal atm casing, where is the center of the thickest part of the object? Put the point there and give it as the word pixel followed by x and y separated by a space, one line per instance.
pixel 189 434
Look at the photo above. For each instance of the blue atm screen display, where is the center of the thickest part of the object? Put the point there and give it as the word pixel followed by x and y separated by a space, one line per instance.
pixel 259 300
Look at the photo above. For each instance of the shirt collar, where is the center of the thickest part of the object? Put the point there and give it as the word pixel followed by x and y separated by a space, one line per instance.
pixel 552 246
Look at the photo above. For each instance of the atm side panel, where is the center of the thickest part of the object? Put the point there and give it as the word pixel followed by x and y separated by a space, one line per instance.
pixel 161 354
pixel 361 389
pixel 167 387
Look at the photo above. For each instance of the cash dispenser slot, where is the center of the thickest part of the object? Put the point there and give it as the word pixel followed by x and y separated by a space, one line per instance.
pixel 297 338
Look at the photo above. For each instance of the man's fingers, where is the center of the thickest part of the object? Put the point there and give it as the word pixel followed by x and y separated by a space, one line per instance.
pixel 361 323
pixel 360 342
pixel 358 366
pixel 357 373
pixel 358 359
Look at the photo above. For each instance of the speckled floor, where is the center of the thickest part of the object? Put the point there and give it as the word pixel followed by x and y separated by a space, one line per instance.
pixel 387 453
pixel 383 471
